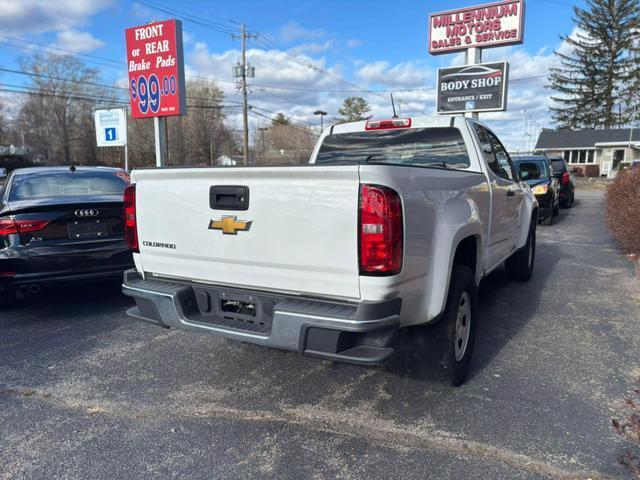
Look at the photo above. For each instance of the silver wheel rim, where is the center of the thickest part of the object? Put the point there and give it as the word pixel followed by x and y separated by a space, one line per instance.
pixel 463 326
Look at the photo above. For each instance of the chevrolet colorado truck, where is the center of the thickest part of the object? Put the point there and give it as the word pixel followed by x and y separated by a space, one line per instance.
pixel 391 225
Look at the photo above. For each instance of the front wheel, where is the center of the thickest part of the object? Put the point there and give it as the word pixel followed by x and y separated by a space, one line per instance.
pixel 456 331
pixel 520 265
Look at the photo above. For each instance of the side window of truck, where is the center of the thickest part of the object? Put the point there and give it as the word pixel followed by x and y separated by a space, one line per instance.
pixel 495 154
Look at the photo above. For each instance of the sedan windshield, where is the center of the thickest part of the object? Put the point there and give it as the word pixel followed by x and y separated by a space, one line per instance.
pixel 532 170
pixel 420 147
pixel 59 184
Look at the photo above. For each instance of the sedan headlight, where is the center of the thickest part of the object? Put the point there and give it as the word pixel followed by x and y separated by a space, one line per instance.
pixel 540 189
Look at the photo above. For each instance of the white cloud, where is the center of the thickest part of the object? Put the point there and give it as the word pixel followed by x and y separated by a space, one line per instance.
pixel 402 75
pixel 38 16
pixel 353 43
pixel 311 48
pixel 292 31
pixel 76 41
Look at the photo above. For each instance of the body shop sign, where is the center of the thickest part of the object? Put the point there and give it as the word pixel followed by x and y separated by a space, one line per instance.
pixel 490 25
pixel 473 88
pixel 156 69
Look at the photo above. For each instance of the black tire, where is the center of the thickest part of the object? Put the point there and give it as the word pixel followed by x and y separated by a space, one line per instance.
pixel 7 298
pixel 548 220
pixel 556 210
pixel 453 357
pixel 520 265
pixel 571 201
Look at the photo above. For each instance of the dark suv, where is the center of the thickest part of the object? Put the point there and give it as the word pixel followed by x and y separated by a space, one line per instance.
pixel 537 173
pixel 566 192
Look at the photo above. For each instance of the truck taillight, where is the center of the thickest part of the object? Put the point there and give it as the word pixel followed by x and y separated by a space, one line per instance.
pixel 130 224
pixel 380 231
pixel 565 178
pixel 9 226
pixel 387 124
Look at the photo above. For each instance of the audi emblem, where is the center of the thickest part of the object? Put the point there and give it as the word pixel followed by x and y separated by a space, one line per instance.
pixel 87 213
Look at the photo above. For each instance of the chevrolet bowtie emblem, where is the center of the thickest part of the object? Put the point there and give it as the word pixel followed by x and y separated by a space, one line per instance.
pixel 230 225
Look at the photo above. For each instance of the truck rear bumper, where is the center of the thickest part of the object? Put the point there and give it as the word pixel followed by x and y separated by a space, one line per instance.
pixel 360 333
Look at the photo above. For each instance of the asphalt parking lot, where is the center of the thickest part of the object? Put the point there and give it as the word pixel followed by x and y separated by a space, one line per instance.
pixel 86 392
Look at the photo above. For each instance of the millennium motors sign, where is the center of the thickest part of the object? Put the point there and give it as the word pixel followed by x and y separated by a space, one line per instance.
pixel 473 88
pixel 483 26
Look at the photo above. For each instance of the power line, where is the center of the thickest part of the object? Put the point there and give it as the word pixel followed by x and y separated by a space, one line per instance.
pixel 88 97
pixel 261 38
pixel 121 90
pixel 218 27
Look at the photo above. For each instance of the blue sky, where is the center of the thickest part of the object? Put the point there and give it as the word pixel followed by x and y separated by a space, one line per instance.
pixel 374 45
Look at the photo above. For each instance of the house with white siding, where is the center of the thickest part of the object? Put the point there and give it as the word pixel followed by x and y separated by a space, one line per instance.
pixel 609 148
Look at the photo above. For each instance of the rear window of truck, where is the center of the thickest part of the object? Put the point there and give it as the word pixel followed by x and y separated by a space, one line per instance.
pixel 421 147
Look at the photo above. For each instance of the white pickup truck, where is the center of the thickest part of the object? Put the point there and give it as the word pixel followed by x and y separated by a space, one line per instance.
pixel 392 224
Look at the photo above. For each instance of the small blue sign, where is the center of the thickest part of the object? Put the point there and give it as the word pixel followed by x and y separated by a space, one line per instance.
pixel 110 134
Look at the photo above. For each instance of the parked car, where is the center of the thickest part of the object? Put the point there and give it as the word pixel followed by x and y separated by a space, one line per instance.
pixel 61 224
pixel 393 225
pixel 537 173
pixel 566 185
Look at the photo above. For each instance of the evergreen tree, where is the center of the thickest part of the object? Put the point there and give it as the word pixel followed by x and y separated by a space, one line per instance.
pixel 280 119
pixel 634 90
pixel 592 84
pixel 354 109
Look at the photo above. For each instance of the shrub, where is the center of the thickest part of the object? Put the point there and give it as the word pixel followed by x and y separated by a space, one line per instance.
pixel 630 430
pixel 623 211
pixel 577 171
pixel 592 171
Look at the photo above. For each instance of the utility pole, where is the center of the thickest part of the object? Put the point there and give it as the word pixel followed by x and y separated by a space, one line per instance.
pixel 242 71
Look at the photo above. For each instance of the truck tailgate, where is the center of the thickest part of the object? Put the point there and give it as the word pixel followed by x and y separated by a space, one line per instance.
pixel 302 237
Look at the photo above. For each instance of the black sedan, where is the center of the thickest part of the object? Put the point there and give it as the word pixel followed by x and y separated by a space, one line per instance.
pixel 61 224
pixel 537 173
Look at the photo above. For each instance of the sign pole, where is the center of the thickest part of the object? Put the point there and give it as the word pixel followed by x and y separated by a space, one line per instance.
pixel 126 158
pixel 472 56
pixel 159 125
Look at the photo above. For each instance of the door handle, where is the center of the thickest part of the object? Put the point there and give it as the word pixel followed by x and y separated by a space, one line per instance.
pixel 511 193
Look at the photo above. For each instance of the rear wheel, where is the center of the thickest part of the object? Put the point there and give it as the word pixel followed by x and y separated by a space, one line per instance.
pixel 556 209
pixel 456 331
pixel 520 265
pixel 548 220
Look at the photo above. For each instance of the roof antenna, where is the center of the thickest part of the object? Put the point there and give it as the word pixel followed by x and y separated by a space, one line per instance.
pixel 393 105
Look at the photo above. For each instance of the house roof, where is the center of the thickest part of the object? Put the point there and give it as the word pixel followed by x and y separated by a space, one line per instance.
pixel 561 139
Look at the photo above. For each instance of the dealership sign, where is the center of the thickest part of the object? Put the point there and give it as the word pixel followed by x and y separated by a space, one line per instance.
pixel 111 127
pixel 156 69
pixel 473 88
pixel 483 26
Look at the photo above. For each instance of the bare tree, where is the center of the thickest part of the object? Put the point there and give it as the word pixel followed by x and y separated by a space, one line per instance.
pixel 202 135
pixel 57 116
pixel 3 124
pixel 282 144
